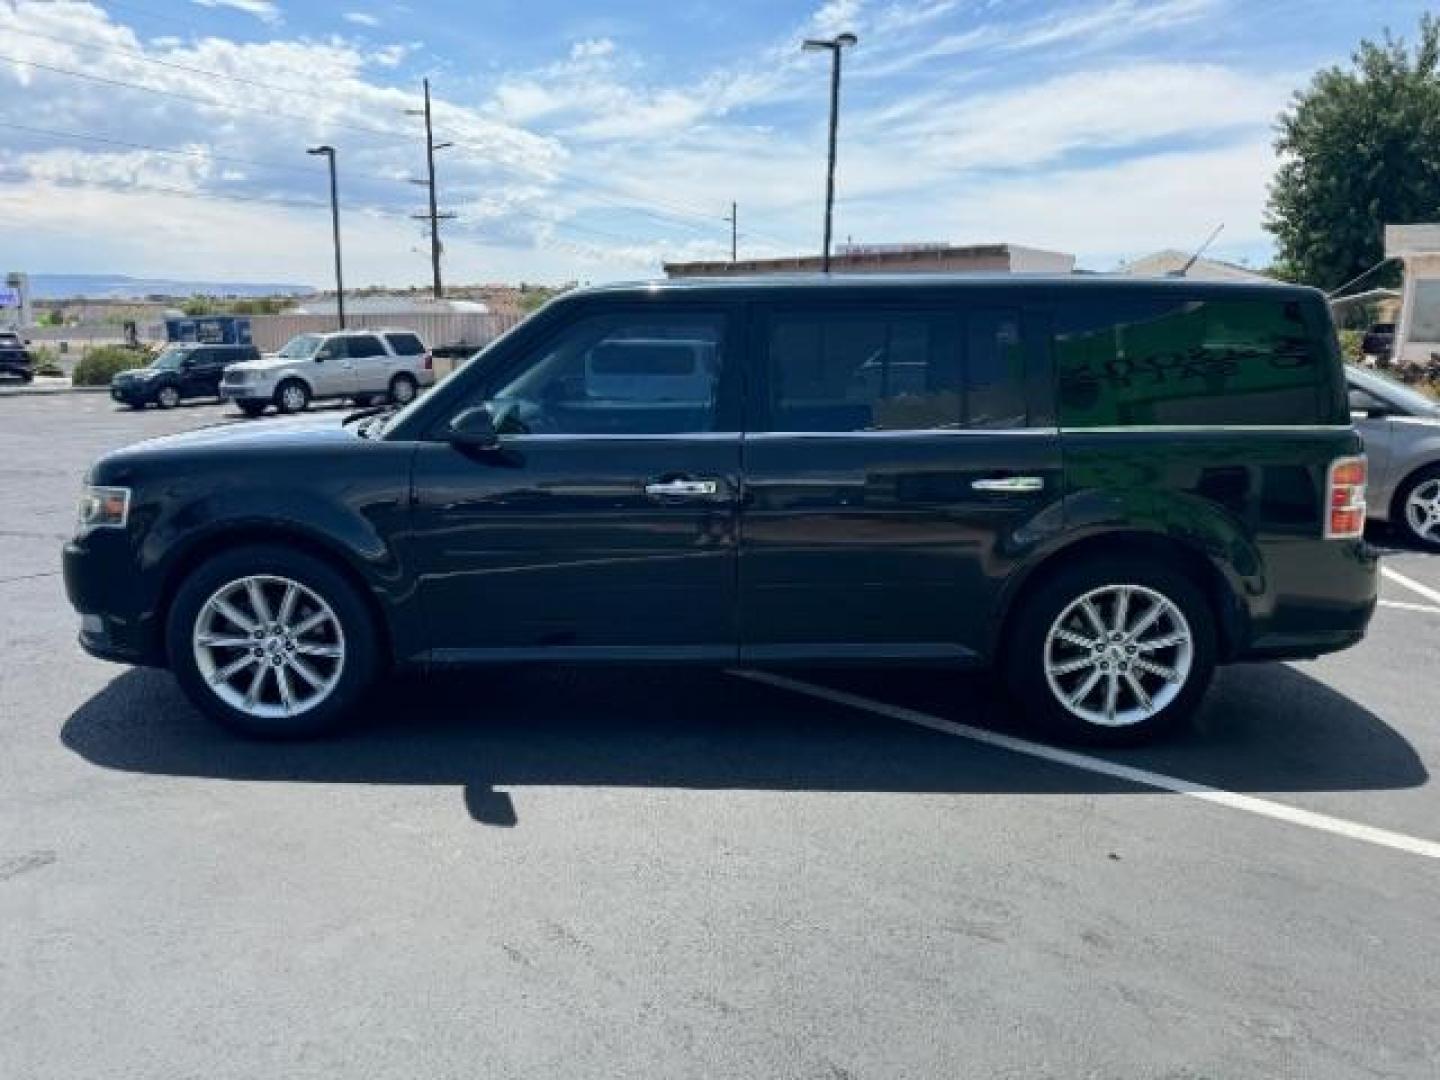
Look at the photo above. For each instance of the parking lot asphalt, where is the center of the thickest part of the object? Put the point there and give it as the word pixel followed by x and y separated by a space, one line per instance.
pixel 637 872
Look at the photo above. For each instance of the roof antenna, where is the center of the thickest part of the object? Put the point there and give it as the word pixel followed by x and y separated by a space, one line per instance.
pixel 1200 251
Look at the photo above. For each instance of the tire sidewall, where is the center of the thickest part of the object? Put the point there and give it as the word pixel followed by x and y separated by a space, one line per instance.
pixel 362 657
pixel 1025 651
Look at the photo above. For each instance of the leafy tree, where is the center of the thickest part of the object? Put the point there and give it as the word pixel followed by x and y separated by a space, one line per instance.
pixel 197 306
pixel 1360 149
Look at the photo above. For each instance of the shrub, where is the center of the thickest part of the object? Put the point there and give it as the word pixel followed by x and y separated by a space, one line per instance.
pixel 100 364
pixel 46 361
pixel 1350 345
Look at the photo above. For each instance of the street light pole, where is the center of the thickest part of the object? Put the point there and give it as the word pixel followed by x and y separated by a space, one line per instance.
pixel 835 46
pixel 329 153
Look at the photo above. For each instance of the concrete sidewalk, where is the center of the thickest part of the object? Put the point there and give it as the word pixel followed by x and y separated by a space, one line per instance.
pixel 46 384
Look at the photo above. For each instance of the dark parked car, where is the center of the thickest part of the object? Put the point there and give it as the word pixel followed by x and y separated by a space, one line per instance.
pixel 182 370
pixel 1102 488
pixel 15 358
pixel 1379 342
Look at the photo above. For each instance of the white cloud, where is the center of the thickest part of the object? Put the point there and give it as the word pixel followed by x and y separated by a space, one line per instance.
pixel 361 18
pixel 265 10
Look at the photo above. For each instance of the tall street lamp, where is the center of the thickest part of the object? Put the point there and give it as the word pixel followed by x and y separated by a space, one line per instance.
pixel 329 152
pixel 836 45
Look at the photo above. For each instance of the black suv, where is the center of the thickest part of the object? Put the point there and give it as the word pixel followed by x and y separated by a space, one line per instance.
pixel 1100 487
pixel 15 358
pixel 181 370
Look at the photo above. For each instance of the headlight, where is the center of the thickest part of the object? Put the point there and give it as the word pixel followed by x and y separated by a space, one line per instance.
pixel 103 508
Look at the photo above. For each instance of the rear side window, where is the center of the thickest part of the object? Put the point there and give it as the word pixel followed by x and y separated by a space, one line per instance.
pixel 1139 361
pixel 894 370
pixel 361 346
pixel 405 344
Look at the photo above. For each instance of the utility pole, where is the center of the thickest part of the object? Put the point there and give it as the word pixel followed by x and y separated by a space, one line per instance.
pixel 734 219
pixel 434 216
pixel 329 152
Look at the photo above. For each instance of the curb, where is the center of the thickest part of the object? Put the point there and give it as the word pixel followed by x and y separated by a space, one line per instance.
pixel 39 391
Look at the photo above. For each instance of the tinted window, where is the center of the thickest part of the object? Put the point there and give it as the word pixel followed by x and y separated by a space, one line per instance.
pixel 895 370
pixel 621 374
pixel 363 345
pixel 1126 361
pixel 405 344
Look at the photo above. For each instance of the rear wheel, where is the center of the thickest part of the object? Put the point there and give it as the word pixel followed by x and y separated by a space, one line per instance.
pixel 272 642
pixel 403 389
pixel 1112 652
pixel 292 396
pixel 1418 503
pixel 167 397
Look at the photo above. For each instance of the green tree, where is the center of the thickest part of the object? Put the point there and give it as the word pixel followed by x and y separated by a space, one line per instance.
pixel 1360 149
pixel 197 306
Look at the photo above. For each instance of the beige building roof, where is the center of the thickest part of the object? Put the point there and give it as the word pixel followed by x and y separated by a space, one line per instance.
pixel 1170 261
pixel 893 259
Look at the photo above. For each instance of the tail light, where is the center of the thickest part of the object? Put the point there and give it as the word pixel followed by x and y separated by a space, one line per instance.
pixel 1345 498
pixel 428 362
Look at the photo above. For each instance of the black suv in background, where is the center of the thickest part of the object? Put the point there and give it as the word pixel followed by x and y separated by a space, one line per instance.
pixel 181 370
pixel 15 358
pixel 1101 488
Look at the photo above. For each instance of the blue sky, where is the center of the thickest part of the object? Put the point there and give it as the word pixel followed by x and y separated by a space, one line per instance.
pixel 594 139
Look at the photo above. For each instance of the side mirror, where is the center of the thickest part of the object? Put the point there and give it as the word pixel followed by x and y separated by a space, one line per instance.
pixel 474 428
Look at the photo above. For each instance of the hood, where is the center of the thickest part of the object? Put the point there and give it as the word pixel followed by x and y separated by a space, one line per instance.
pixel 266 362
pixel 246 438
pixel 131 374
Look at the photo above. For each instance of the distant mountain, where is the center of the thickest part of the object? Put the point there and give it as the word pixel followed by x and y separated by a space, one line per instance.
pixel 120 287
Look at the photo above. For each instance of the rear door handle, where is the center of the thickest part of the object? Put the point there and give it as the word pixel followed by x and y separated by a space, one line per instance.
pixel 1010 485
pixel 691 489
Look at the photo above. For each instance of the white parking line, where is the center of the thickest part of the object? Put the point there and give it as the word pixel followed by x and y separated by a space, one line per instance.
pixel 1403 606
pixel 1429 849
pixel 1433 595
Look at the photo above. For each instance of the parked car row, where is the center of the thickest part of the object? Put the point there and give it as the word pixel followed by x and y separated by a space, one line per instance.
pixel 1100 488
pixel 15 358
pixel 362 365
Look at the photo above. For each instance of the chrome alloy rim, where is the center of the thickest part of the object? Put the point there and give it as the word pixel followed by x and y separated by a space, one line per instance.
pixel 403 391
pixel 268 646
pixel 169 397
pixel 1118 655
pixel 1422 510
pixel 293 398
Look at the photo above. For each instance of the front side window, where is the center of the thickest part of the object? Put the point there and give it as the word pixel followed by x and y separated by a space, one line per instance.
pixel 617 374
pixel 1138 361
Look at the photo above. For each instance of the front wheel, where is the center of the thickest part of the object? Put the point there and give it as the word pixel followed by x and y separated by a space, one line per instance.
pixel 292 396
pixel 167 397
pixel 272 642
pixel 1419 505
pixel 1112 652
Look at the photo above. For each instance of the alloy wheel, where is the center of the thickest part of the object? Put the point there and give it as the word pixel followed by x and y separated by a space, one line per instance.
pixel 292 398
pixel 402 391
pixel 268 646
pixel 1118 655
pixel 1422 510
pixel 168 397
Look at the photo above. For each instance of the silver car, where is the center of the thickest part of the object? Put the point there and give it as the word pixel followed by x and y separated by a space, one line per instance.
pixel 1401 427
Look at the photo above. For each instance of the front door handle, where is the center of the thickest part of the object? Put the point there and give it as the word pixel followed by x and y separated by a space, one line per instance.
pixel 681 488
pixel 1010 485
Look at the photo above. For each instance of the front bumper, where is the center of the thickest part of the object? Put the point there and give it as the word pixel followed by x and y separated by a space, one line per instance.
pixel 130 393
pixel 115 621
pixel 246 392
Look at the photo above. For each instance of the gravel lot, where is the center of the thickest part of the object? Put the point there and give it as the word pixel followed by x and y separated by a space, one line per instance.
pixel 581 873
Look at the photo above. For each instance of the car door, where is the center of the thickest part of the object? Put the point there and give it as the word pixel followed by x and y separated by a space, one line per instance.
pixel 370 363
pixel 603 524
pixel 897 461
pixel 200 375
pixel 332 372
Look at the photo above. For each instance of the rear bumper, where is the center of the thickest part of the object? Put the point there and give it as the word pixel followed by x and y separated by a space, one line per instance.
pixel 18 368
pixel 1322 596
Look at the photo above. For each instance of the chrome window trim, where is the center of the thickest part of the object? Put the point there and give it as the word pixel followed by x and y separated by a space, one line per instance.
pixel 1193 429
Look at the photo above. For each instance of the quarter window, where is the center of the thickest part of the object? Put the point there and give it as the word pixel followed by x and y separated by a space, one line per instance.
pixel 405 344
pixel 620 374
pixel 1135 362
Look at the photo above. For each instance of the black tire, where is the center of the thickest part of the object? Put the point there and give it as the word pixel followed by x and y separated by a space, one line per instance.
pixel 296 392
pixel 137 406
pixel 357 671
pixel 1025 661
pixel 403 389
pixel 252 409
pixel 1399 514
pixel 167 397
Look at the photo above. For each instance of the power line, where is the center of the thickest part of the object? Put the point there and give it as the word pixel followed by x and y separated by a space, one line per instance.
pixel 135 54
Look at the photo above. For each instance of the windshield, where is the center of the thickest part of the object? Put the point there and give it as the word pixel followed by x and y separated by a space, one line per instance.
pixel 1396 393
pixel 170 358
pixel 302 347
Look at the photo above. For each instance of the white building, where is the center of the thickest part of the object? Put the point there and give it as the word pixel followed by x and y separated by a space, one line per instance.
pixel 392 304
pixel 1417 336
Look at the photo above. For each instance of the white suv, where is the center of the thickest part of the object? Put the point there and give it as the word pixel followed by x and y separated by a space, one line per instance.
pixel 358 364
